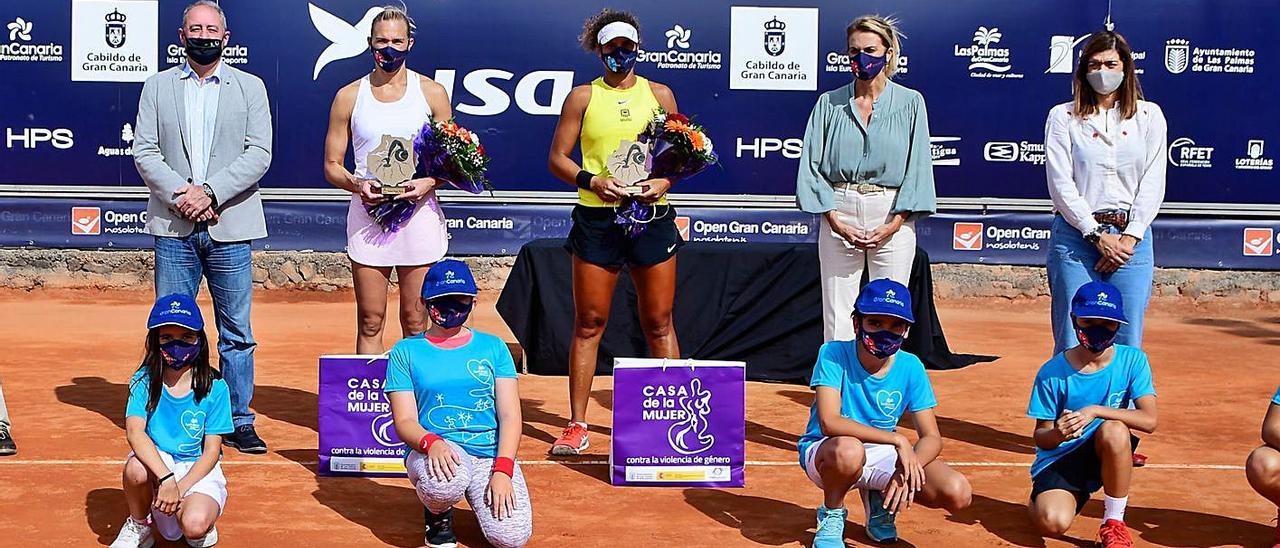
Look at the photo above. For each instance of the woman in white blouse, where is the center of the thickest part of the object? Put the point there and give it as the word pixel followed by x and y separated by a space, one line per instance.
pixel 1106 170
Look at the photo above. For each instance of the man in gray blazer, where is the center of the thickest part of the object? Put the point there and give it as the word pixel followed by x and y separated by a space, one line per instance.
pixel 202 141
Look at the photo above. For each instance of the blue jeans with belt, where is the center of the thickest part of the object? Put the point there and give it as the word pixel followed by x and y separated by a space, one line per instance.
pixel 1071 264
pixel 180 264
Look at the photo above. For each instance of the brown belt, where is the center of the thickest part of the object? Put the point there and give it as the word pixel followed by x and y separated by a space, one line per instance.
pixel 1118 218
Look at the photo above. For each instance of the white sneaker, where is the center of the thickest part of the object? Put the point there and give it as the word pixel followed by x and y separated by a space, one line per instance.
pixel 208 540
pixel 133 535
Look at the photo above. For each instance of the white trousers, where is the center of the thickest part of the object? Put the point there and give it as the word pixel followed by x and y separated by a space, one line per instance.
pixel 842 264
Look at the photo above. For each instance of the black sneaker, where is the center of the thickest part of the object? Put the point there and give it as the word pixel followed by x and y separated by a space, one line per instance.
pixel 7 447
pixel 440 529
pixel 246 440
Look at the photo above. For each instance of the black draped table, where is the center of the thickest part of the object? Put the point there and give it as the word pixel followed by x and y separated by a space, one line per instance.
pixel 757 303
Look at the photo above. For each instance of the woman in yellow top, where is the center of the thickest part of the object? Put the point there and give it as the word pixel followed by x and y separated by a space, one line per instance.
pixel 602 114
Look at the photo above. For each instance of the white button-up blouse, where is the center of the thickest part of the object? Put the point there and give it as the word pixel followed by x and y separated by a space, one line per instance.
pixel 1103 162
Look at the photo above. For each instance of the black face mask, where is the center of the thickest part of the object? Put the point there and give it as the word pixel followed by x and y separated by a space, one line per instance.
pixel 204 51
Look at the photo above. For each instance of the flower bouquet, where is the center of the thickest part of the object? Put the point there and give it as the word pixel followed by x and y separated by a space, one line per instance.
pixel 678 149
pixel 447 152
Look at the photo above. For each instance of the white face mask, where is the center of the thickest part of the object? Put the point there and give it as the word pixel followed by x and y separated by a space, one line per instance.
pixel 1105 81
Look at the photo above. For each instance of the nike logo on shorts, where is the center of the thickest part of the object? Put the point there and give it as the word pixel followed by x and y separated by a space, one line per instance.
pixel 669 249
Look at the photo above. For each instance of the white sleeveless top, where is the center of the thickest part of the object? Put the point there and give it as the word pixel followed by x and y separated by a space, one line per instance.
pixel 423 239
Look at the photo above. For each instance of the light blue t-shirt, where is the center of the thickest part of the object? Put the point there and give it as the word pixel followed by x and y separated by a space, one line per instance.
pixel 178 425
pixel 454 387
pixel 1059 386
pixel 1276 398
pixel 875 402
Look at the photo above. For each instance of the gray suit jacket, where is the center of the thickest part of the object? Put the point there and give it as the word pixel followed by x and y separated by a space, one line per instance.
pixel 239 155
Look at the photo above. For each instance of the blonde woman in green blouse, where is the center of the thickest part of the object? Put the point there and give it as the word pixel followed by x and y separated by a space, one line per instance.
pixel 866 169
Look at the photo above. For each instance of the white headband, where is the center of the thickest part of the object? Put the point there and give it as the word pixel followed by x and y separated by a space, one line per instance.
pixel 617 29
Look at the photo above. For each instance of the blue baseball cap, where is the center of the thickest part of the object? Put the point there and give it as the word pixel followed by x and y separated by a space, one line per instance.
pixel 885 296
pixel 176 309
pixel 448 277
pixel 1098 300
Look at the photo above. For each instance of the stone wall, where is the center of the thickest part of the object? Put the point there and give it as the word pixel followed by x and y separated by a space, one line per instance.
pixel 58 268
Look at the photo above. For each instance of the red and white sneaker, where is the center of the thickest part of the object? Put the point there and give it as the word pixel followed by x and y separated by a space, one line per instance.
pixel 1114 534
pixel 1139 460
pixel 573 441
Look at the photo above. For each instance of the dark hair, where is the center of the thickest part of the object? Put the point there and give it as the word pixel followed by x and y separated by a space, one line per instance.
pixel 202 372
pixel 1085 101
pixel 596 22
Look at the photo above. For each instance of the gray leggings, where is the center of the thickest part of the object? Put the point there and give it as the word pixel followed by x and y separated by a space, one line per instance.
pixel 471 481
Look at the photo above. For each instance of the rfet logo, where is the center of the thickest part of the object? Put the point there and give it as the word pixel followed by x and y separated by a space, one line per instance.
pixel 86 221
pixel 682 224
pixel 967 237
pixel 1259 242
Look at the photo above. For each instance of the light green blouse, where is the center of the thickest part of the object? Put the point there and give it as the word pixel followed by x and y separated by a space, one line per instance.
pixel 891 151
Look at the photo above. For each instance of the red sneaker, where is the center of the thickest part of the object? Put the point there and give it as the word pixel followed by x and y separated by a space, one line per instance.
pixel 1139 460
pixel 573 441
pixel 1114 534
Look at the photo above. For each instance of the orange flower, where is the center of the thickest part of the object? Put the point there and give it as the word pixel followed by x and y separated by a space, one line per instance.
pixel 696 139
pixel 673 125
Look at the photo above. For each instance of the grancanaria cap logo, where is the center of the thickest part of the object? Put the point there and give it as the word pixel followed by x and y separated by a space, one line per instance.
pixel 175 305
pixel 1103 301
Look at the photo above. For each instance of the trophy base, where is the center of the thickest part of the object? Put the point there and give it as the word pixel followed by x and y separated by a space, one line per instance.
pixel 388 190
pixel 636 190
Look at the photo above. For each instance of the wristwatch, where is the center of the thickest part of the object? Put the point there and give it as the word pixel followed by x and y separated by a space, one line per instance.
pixel 208 191
pixel 1095 235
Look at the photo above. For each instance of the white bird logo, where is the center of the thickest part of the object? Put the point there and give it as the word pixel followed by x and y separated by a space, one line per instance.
pixel 19 28
pixel 346 40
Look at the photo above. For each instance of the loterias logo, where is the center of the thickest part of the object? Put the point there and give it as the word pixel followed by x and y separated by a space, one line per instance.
pixel 966 237
pixel 1253 159
pixel 678 56
pixel 19 48
pixel 1259 242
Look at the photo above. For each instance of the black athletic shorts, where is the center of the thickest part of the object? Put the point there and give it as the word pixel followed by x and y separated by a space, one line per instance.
pixel 1079 472
pixel 596 239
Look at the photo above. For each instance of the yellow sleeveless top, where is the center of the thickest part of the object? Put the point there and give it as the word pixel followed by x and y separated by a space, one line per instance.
pixel 613 115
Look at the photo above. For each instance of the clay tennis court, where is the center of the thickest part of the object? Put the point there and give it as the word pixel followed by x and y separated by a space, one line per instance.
pixel 68 354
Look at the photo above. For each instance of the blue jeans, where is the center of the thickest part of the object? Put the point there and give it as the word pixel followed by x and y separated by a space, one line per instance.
pixel 1070 265
pixel 180 264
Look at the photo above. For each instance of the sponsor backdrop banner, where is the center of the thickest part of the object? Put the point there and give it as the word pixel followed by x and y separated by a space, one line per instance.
pixel 990 71
pixel 500 229
pixel 678 423
pixel 357 435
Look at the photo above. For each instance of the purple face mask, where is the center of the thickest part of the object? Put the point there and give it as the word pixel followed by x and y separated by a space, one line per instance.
pixel 179 353
pixel 449 313
pixel 866 66
pixel 389 59
pixel 1096 338
pixel 881 344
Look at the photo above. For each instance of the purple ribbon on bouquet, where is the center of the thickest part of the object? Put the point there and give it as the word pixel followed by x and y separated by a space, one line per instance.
pixel 634 216
pixel 391 214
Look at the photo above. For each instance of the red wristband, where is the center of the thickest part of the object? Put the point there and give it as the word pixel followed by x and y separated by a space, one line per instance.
pixel 425 443
pixel 505 465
